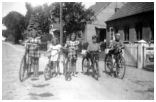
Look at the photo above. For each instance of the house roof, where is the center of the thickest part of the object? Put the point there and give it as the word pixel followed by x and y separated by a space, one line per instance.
pixel 132 8
pixel 96 8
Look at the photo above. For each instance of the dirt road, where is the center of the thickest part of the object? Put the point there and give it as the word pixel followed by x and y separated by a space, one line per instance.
pixel 137 84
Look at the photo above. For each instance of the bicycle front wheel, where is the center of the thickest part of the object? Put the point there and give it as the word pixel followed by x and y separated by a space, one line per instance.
pixel 47 72
pixel 68 70
pixel 108 64
pixel 23 70
pixel 85 65
pixel 96 70
pixel 121 68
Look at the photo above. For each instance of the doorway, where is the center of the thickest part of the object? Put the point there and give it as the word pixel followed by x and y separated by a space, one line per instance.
pixel 101 33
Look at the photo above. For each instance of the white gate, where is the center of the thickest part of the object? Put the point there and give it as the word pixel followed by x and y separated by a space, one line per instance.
pixel 131 54
pixel 148 57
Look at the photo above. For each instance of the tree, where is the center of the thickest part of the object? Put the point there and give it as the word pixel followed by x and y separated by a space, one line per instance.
pixel 74 16
pixel 28 13
pixel 14 22
pixel 41 13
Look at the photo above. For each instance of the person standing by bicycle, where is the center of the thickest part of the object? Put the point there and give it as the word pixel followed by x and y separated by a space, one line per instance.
pixel 94 46
pixel 116 47
pixel 72 46
pixel 55 55
pixel 33 51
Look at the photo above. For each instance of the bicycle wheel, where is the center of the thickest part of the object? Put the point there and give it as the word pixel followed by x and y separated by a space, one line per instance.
pixel 47 72
pixel 23 70
pixel 64 66
pixel 96 70
pixel 108 64
pixel 121 68
pixel 68 70
pixel 85 65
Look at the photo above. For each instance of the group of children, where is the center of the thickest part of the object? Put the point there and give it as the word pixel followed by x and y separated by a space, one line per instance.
pixel 54 49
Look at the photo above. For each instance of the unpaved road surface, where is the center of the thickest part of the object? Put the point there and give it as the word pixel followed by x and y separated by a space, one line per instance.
pixel 137 84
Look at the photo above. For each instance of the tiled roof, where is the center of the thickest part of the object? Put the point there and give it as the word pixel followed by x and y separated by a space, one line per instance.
pixel 132 8
pixel 98 6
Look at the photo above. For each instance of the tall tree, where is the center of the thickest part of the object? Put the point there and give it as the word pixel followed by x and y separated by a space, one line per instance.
pixel 74 15
pixel 15 23
pixel 41 13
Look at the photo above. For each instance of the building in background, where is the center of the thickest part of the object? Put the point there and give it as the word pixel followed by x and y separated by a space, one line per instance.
pixel 102 12
pixel 134 21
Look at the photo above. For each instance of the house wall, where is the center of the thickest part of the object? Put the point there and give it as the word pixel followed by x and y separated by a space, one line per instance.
pixel 101 17
pixel 144 18
pixel 89 32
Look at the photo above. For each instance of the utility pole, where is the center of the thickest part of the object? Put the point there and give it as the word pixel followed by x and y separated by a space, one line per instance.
pixel 61 27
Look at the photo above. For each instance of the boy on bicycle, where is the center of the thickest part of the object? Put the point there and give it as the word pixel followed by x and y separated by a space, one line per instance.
pixel 92 47
pixel 115 47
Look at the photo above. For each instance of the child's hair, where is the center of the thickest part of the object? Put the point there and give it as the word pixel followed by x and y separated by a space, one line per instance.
pixel 55 39
pixel 32 32
pixel 94 37
pixel 71 36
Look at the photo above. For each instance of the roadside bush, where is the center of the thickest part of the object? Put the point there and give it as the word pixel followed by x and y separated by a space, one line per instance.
pixel 10 38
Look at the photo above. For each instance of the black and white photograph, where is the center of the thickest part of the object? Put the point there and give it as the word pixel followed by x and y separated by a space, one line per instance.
pixel 83 50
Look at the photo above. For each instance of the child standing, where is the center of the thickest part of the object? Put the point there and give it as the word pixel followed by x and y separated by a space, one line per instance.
pixel 72 44
pixel 34 52
pixel 55 55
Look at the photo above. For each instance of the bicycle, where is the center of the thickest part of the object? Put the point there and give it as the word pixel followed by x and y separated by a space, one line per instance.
pixel 25 65
pixel 68 65
pixel 119 64
pixel 49 69
pixel 87 64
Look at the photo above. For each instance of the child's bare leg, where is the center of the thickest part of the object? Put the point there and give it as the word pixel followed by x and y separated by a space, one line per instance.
pixel 74 68
pixel 54 66
pixel 58 68
pixel 29 65
pixel 33 65
pixel 37 67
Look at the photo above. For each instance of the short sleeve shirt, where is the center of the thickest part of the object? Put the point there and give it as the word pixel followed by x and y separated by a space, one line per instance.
pixel 93 47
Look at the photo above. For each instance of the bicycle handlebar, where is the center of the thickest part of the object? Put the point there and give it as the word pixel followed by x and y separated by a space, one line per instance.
pixel 30 44
pixel 93 52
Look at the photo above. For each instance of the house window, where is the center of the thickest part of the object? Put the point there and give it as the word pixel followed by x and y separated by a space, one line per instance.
pixel 111 33
pixel 138 28
pixel 126 32
pixel 116 29
pixel 152 29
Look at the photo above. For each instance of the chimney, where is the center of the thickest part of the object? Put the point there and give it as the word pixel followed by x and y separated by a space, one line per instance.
pixel 116 9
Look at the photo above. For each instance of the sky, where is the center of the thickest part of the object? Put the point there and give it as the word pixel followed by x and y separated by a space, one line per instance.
pixel 20 7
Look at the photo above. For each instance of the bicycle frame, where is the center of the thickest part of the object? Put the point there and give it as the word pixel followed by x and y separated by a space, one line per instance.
pixel 93 57
pixel 118 58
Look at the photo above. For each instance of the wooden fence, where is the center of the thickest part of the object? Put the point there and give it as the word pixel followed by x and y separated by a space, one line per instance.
pixel 139 55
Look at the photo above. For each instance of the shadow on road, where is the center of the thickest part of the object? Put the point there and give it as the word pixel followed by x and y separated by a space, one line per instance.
pixel 41 86
pixel 150 69
pixel 47 94
pixel 40 72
